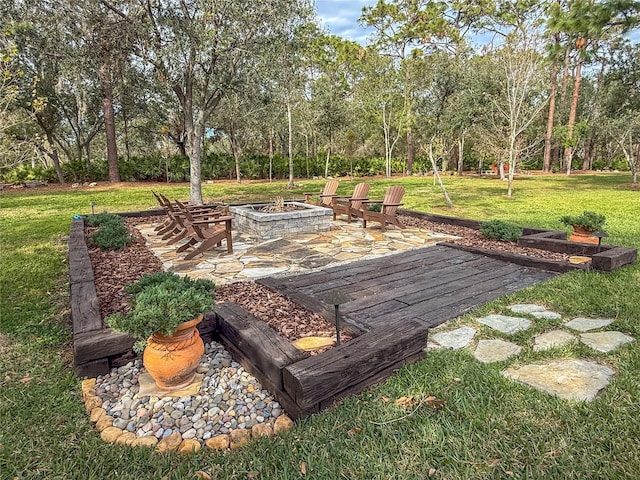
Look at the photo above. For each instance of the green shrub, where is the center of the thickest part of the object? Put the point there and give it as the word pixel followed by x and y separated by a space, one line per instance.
pixel 112 234
pixel 102 218
pixel 499 230
pixel 590 221
pixel 374 207
pixel 160 303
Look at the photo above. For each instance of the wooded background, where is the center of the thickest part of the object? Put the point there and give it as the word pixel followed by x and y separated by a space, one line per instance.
pixel 201 89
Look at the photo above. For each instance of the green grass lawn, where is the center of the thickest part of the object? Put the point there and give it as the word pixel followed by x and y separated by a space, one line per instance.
pixel 489 427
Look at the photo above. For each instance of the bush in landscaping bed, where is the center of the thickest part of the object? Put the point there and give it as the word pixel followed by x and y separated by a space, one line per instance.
pixel 499 230
pixel 112 234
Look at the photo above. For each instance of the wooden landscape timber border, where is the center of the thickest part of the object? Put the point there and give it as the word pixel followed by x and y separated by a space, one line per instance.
pixel 303 384
pixel 605 258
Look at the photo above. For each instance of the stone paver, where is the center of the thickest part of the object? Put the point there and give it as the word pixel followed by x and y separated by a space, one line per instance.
pixel 489 351
pixel 526 308
pixel 547 315
pixel 252 259
pixel 567 379
pixel 456 339
pixel 605 341
pixel 585 324
pixel 505 324
pixel 552 339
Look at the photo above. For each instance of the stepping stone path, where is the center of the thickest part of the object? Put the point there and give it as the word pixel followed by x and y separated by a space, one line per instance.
pixel 552 339
pixel 456 339
pixel 505 324
pixel 567 379
pixel 577 380
pixel 586 324
pixel 605 341
pixel 495 351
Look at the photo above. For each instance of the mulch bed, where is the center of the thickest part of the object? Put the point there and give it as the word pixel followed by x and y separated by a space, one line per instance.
pixel 117 268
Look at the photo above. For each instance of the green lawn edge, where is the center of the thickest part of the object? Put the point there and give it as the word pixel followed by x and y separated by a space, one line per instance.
pixel 489 427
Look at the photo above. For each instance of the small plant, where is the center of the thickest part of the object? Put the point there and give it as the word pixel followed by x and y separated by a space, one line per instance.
pixel 499 230
pixel 102 219
pixel 112 233
pixel 374 207
pixel 160 302
pixel 589 221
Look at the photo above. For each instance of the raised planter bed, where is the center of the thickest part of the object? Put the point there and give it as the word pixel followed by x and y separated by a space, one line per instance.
pixel 301 383
pixel 604 258
pixel 306 384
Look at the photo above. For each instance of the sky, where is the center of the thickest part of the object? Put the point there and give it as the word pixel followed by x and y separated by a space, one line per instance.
pixel 340 17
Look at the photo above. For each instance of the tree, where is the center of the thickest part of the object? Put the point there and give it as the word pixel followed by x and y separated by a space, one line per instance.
pixel 403 26
pixel 201 49
pixel 586 24
pixel 378 100
pixel 520 98
pixel 621 88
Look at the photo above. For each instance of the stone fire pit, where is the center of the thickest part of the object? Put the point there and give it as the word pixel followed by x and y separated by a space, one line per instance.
pixel 306 218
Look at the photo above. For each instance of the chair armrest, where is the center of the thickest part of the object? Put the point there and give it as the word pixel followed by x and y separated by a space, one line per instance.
pixel 392 204
pixel 371 201
pixel 213 220
pixel 327 195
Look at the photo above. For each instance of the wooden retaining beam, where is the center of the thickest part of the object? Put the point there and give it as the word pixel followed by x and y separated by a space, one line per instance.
pixel 354 366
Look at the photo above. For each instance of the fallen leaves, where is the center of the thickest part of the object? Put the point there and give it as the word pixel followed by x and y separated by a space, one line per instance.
pixel 408 402
pixel 405 401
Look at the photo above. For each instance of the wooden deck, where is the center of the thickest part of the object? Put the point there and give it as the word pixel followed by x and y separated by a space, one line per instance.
pixel 428 285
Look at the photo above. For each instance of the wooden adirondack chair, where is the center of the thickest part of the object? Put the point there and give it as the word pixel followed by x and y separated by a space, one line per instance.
pixel 183 217
pixel 392 200
pixel 352 205
pixel 206 234
pixel 324 197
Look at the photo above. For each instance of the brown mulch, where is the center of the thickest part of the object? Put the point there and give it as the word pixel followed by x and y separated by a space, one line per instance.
pixel 473 238
pixel 115 269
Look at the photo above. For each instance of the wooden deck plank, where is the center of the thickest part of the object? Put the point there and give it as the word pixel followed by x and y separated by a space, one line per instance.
pixel 431 285
pixel 421 288
pixel 394 273
pixel 368 267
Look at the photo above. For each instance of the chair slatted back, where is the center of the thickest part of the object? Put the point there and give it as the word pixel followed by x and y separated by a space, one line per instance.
pixel 392 196
pixel 361 191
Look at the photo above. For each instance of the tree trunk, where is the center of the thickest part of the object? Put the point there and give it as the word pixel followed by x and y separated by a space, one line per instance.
pixel 125 125
pixel 634 175
pixel 235 151
pixel 411 151
pixel 568 153
pixel 434 166
pixel 546 162
pixel 271 134
pixel 194 132
pixel 290 122
pixel 586 160
pixel 53 154
pixel 109 123
pixel 461 153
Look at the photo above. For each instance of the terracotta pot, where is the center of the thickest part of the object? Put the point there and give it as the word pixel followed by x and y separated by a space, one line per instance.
pixel 172 360
pixel 583 236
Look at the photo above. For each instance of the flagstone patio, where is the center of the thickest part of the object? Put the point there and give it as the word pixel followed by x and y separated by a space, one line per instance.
pixel 251 259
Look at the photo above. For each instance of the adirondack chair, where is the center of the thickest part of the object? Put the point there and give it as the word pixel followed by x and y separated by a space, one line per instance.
pixel 170 224
pixel 205 234
pixel 183 217
pixel 352 205
pixel 392 200
pixel 324 197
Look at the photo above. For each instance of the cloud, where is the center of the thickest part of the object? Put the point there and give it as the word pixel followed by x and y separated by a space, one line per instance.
pixel 340 17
